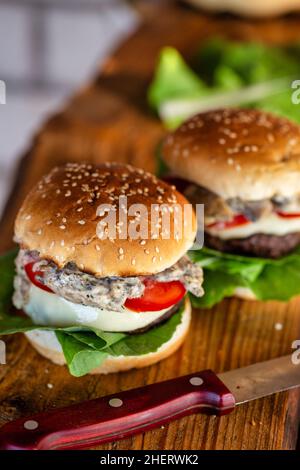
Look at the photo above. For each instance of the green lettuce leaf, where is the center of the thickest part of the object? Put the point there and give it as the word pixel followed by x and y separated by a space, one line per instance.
pixel 80 357
pixel 7 271
pixel 173 79
pixel 150 341
pixel 83 354
pixel 249 62
pixel 224 272
pixel 217 285
pixel 220 69
pixel 84 348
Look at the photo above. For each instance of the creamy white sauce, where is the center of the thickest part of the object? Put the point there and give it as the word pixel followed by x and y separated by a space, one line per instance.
pixel 51 310
pixel 271 225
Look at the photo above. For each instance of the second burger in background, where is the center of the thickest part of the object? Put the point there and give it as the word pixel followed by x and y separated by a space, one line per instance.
pixel 244 166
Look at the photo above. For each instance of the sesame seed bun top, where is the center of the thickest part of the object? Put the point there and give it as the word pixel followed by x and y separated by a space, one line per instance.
pixel 237 153
pixel 255 8
pixel 61 219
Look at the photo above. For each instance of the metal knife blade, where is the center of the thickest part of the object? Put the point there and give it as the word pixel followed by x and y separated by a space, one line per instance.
pixel 262 379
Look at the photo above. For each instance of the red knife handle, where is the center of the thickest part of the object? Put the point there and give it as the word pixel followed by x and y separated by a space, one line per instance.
pixel 120 415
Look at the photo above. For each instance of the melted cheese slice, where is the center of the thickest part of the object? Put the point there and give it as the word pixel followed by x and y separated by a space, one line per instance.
pixel 51 310
pixel 270 225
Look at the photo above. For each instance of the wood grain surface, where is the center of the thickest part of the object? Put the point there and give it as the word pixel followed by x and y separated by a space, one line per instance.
pixel 109 120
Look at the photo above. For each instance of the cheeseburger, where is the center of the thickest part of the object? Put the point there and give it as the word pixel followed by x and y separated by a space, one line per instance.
pixel 244 166
pixel 102 294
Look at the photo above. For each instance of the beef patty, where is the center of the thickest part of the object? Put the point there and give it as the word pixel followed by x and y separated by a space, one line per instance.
pixel 260 245
pixel 159 320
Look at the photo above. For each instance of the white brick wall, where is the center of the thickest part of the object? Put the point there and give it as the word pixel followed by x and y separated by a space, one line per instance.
pixel 77 40
pixel 15 45
pixel 56 46
pixel 59 44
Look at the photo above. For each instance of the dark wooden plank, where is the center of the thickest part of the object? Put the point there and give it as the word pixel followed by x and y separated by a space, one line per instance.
pixel 109 120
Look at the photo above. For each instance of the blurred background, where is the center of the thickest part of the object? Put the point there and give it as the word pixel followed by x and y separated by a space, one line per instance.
pixel 48 48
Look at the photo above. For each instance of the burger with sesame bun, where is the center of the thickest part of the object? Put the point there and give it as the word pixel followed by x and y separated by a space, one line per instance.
pixel 102 286
pixel 244 166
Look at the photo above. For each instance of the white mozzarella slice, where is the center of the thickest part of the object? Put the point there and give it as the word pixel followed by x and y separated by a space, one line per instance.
pixel 49 309
pixel 270 225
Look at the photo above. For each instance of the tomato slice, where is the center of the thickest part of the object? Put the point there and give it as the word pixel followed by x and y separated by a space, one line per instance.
pixel 32 275
pixel 157 296
pixel 238 219
pixel 288 215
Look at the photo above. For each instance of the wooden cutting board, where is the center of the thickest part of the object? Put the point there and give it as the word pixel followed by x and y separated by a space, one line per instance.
pixel 110 120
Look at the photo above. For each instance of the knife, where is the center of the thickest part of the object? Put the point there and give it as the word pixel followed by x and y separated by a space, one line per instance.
pixel 126 413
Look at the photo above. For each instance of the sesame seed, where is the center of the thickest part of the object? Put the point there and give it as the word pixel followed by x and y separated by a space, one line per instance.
pixel 97 247
pixel 121 251
pixel 49 222
pixel 81 222
pixel 79 209
pixel 120 257
pixel 133 261
pixel 62 243
pixel 28 217
pixel 64 220
pixel 147 252
pixel 39 232
pixel 157 249
pixel 143 242
pixel 57 191
pixel 153 259
pixel 68 193
pixel 62 227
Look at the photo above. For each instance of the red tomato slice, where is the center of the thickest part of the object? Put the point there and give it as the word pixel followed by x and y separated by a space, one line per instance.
pixel 157 296
pixel 32 275
pixel 239 219
pixel 288 215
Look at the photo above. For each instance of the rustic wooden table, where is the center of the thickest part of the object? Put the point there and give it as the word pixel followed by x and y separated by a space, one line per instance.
pixel 109 120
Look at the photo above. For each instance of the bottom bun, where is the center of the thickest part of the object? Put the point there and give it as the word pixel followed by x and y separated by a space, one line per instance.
pixel 46 343
pixel 244 293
